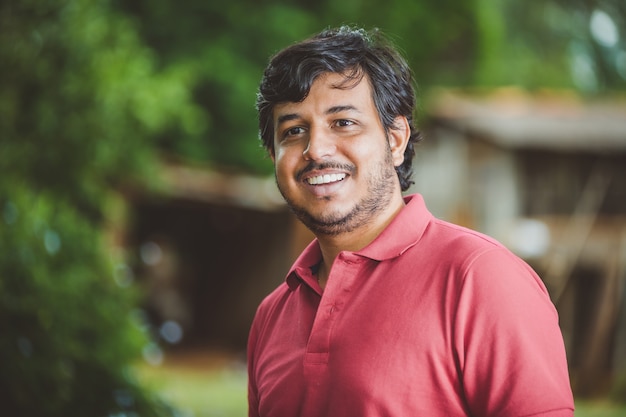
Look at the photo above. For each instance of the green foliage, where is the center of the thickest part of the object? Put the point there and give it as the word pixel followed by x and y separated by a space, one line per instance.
pixel 67 327
pixel 438 37
pixel 80 101
pixel 555 44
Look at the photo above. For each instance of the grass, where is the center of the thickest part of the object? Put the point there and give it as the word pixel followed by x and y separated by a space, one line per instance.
pixel 197 386
pixel 215 385
pixel 599 408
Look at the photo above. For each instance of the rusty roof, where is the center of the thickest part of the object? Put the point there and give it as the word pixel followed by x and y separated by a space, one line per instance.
pixel 513 118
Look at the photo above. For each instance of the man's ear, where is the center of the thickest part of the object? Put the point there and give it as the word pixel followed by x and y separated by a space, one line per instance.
pixel 398 138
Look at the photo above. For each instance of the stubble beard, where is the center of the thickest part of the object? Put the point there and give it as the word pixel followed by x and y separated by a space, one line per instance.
pixel 380 191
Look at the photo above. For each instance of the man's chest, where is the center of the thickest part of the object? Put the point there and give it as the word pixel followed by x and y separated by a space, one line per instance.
pixel 376 342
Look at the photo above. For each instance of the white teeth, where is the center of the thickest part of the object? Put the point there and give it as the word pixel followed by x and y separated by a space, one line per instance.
pixel 326 179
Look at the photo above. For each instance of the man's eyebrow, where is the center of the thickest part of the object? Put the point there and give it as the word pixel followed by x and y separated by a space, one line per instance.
pixel 287 117
pixel 332 110
pixel 338 109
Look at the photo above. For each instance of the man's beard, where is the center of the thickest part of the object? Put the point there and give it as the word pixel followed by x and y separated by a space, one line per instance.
pixel 380 189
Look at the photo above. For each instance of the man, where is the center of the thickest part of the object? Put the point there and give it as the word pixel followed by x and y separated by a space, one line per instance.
pixel 389 311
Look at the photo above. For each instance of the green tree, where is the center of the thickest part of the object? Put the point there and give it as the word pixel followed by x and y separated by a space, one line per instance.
pixel 68 334
pixel 80 100
pixel 580 45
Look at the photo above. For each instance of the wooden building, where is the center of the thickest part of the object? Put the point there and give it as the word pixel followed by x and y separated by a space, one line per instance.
pixel 206 248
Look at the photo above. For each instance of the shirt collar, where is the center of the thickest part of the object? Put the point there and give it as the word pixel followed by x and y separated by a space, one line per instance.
pixel 404 231
pixel 303 267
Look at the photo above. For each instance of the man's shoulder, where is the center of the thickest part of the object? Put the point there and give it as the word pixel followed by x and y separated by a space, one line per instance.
pixel 271 300
pixel 460 237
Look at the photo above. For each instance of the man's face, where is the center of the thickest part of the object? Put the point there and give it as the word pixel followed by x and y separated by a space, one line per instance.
pixel 334 163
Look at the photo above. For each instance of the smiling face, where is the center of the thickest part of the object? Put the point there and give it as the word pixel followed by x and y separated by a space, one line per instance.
pixel 334 162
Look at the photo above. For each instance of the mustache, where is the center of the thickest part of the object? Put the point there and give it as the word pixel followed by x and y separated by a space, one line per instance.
pixel 312 166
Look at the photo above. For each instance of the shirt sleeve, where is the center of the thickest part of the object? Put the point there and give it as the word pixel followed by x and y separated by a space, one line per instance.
pixel 510 348
pixel 253 400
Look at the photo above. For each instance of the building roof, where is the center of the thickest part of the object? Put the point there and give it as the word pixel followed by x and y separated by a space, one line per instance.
pixel 512 118
pixel 227 188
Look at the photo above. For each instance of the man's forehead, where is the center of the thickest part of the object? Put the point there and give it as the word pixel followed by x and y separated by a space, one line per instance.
pixel 330 82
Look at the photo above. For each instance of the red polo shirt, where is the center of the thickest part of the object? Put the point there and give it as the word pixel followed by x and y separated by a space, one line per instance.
pixel 430 319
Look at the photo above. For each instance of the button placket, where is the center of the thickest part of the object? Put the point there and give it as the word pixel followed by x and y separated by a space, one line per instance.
pixel 341 279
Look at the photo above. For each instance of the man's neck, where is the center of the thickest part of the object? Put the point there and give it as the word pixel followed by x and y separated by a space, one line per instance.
pixel 355 240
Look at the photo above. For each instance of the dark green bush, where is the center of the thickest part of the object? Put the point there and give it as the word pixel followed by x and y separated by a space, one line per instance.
pixel 67 327
pixel 79 104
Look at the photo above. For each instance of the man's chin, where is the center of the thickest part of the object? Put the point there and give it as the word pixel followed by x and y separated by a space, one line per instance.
pixel 326 224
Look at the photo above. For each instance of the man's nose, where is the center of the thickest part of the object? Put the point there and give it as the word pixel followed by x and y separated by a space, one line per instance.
pixel 320 145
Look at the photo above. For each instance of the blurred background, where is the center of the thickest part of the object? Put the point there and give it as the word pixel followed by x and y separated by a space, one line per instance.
pixel 139 221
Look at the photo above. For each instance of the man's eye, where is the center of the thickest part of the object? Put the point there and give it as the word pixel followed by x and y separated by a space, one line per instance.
pixel 344 123
pixel 294 131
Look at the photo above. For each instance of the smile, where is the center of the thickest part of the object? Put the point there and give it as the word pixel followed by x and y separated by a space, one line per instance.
pixel 325 179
